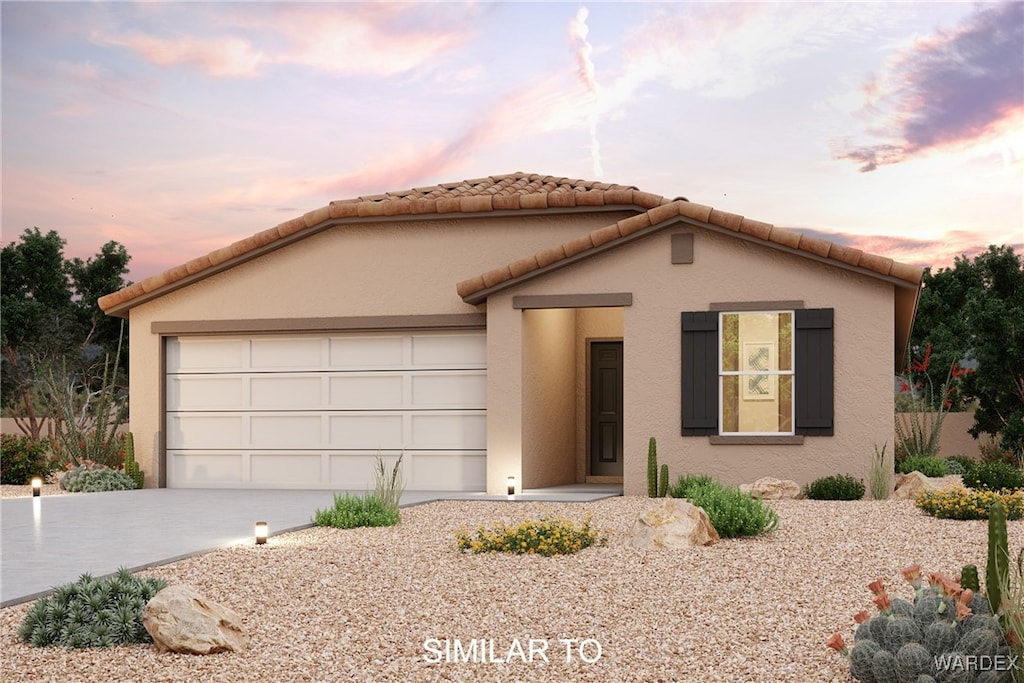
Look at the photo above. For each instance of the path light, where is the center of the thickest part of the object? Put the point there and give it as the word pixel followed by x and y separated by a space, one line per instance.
pixel 261 533
pixel 511 487
pixel 37 486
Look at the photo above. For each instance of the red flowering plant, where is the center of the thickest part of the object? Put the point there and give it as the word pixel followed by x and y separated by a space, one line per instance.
pixel 919 426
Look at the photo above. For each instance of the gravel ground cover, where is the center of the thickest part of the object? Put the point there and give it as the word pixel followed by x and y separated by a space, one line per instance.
pixel 368 604
pixel 12 491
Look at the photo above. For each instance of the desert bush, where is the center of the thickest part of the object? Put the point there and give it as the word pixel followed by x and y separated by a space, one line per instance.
pixel 961 503
pixel 351 511
pixel 835 487
pixel 995 476
pixel 960 464
pixel 926 465
pixel 22 458
pixel 686 482
pixel 991 451
pixel 732 512
pixel 92 612
pixel 548 536
pixel 389 487
pixel 90 477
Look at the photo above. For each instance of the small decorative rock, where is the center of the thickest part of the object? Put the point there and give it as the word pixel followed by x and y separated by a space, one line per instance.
pixel 181 620
pixel 770 488
pixel 673 523
pixel 909 486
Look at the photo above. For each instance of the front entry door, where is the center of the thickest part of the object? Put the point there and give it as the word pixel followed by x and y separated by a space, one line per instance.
pixel 606 409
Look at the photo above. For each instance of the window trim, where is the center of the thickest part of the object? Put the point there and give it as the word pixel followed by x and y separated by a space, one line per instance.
pixel 722 374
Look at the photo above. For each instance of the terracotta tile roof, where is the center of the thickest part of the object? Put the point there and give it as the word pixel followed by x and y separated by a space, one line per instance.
pixel 476 289
pixel 512 192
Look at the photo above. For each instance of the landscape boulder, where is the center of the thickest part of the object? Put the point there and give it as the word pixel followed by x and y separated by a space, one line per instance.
pixel 770 488
pixel 672 523
pixel 909 486
pixel 181 620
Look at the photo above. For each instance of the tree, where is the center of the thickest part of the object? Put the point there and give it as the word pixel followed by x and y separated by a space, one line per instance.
pixel 50 314
pixel 973 313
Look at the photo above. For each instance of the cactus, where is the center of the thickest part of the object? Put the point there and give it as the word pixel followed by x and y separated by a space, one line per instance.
pixel 912 660
pixel 969 578
pixel 663 482
pixel 652 468
pixel 978 642
pixel 902 630
pixel 131 467
pixel 861 657
pixel 926 610
pixel 883 667
pixel 998 555
pixel 940 637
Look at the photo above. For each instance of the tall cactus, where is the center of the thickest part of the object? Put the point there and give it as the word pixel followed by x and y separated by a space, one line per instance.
pixel 969 578
pixel 131 467
pixel 998 566
pixel 652 468
pixel 663 481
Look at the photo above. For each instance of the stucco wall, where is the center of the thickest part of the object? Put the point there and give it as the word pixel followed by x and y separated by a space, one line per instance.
pixel 405 268
pixel 726 269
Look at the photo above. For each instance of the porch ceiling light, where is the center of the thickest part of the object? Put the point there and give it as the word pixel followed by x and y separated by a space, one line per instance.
pixel 37 486
pixel 261 533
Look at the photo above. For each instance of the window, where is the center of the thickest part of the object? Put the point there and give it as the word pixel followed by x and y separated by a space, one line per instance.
pixel 765 373
pixel 756 373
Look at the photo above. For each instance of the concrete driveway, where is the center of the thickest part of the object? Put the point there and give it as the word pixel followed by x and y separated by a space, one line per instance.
pixel 52 540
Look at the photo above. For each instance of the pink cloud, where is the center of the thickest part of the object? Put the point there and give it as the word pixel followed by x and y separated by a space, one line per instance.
pixel 222 56
pixel 949 90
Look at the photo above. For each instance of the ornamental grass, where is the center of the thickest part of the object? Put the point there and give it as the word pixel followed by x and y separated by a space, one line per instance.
pixel 547 536
pixel 963 503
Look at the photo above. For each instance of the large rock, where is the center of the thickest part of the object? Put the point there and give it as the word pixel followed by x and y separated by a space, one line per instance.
pixel 181 620
pixel 770 488
pixel 672 523
pixel 910 486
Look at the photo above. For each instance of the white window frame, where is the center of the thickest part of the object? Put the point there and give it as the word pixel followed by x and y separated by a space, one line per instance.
pixel 740 373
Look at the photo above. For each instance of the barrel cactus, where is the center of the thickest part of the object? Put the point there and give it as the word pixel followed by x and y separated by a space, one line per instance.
pixel 946 635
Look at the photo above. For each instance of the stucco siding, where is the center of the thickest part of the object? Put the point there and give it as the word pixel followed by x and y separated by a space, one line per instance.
pixel 726 269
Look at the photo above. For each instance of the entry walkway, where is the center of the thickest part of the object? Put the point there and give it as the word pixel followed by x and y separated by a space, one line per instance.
pixel 51 540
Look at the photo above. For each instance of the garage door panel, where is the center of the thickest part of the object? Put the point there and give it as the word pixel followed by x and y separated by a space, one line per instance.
pixel 203 355
pixel 366 431
pixel 449 389
pixel 364 391
pixel 191 430
pixel 445 430
pixel 285 431
pixel 367 352
pixel 453 471
pixel 284 468
pixel 297 392
pixel 195 392
pixel 205 468
pixel 463 350
pixel 287 353
pixel 354 470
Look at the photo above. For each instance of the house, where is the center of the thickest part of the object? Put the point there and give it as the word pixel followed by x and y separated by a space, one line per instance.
pixel 517 325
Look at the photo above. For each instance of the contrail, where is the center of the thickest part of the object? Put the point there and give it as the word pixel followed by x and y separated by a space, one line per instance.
pixel 578 31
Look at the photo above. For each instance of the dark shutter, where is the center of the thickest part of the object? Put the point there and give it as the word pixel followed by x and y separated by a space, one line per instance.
pixel 813 391
pixel 700 373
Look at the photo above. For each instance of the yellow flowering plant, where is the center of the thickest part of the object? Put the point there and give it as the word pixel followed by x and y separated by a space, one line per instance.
pixel 963 503
pixel 547 536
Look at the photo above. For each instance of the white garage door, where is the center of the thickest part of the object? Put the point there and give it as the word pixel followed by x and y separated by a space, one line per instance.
pixel 316 411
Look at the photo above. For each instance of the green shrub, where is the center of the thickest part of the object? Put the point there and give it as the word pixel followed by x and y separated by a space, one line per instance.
pixel 90 477
pixel 685 482
pixel 835 487
pixel 960 464
pixel 961 503
pixel 548 536
pixel 733 513
pixel 995 476
pixel 22 458
pixel 928 466
pixel 351 511
pixel 92 612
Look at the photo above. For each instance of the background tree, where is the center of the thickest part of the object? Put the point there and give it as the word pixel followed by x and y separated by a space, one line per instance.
pixel 49 314
pixel 974 312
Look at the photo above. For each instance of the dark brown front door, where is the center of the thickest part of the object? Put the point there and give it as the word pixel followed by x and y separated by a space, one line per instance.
pixel 606 409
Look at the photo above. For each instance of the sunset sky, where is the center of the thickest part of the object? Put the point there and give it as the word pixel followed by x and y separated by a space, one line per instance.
pixel 177 128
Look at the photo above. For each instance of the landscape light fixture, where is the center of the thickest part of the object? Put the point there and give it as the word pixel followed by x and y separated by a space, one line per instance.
pixel 37 487
pixel 261 533
pixel 511 487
